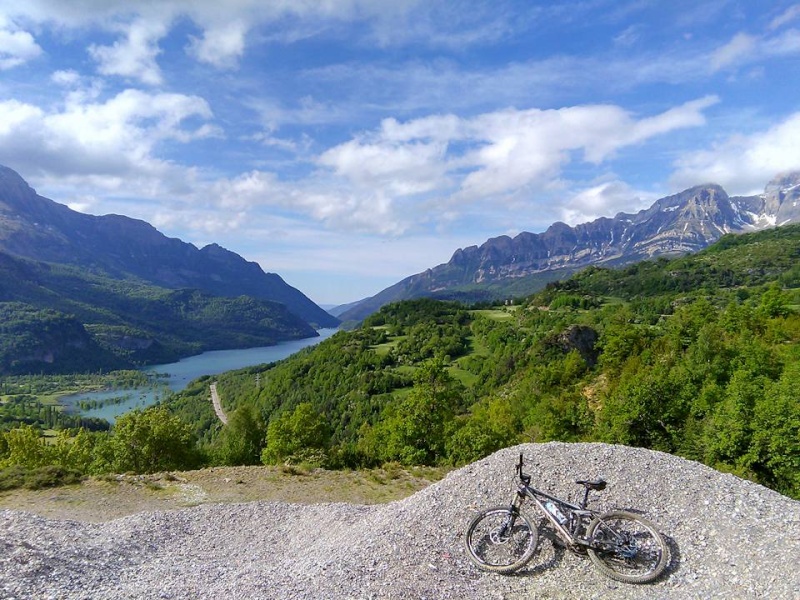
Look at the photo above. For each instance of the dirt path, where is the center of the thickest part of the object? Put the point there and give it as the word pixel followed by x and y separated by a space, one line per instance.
pixel 217 404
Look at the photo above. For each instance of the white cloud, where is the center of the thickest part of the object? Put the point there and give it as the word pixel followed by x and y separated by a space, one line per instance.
pixel 339 207
pixel 630 36
pixel 398 169
pixel 16 47
pixel 787 16
pixel 16 117
pixel 689 114
pixel 221 45
pixel 111 143
pixel 745 49
pixel 744 164
pixel 133 57
pixel 67 78
pixel 604 199
pixel 421 166
pixel 787 43
pixel 132 121
pixel 224 27
pixel 740 47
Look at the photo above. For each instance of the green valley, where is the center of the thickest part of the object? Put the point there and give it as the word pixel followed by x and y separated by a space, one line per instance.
pixel 696 356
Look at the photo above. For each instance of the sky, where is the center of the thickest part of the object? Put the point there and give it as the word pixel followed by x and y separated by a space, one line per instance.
pixel 348 144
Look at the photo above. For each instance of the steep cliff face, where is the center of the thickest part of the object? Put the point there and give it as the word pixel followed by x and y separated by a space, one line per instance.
pixel 35 227
pixel 682 223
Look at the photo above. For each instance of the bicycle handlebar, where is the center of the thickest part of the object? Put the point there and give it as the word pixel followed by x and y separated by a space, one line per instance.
pixel 526 479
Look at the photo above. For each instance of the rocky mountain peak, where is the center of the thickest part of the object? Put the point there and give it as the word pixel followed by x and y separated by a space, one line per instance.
pixel 14 187
pixel 782 198
pixel 677 224
pixel 783 182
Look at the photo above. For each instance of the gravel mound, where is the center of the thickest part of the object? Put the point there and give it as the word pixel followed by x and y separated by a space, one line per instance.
pixel 729 538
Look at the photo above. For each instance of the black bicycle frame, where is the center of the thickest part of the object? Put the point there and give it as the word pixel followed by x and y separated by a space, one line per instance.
pixel 576 514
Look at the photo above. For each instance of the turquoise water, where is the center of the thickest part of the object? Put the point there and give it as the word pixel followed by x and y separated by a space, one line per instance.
pixel 176 376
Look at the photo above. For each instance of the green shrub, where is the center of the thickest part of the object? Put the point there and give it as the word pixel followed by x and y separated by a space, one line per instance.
pixel 37 478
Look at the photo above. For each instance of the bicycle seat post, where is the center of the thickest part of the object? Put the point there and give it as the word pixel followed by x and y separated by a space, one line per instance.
pixel 585 497
pixel 595 484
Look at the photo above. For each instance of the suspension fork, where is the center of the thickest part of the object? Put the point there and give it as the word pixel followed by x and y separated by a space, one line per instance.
pixel 516 503
pixel 517 500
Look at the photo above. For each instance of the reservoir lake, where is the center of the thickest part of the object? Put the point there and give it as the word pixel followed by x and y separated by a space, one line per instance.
pixel 174 377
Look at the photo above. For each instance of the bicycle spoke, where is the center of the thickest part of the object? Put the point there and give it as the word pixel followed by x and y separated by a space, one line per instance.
pixel 627 548
pixel 496 541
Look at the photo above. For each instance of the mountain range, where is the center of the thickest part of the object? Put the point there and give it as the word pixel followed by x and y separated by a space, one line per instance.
pixel 83 292
pixel 505 267
pixel 40 229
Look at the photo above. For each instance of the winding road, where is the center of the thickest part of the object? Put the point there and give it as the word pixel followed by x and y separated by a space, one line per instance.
pixel 217 405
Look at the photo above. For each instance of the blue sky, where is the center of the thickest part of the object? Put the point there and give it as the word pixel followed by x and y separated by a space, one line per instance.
pixel 347 144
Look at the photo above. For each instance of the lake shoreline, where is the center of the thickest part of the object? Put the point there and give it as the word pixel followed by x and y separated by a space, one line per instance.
pixel 174 377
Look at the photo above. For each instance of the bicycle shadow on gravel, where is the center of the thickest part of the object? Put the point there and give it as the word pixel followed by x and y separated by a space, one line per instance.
pixel 549 556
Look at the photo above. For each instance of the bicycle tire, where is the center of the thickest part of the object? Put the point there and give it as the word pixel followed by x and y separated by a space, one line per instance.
pixel 626 547
pixel 492 549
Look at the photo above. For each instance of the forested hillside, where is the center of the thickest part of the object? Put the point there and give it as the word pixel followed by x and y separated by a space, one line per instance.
pixel 63 319
pixel 697 356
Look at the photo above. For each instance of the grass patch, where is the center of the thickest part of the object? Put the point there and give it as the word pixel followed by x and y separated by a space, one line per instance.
pixel 478 347
pixel 393 473
pixel 465 377
pixel 497 314
pixel 393 470
pixel 297 470
pixel 385 348
pixel 38 478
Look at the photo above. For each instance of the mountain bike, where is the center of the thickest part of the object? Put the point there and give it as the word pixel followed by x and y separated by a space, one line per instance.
pixel 621 544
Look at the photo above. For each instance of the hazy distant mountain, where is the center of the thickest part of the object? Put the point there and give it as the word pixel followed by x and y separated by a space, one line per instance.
pixel 338 309
pixel 35 227
pixel 678 224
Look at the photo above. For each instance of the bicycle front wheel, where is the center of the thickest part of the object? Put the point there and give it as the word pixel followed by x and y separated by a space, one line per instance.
pixel 500 541
pixel 626 547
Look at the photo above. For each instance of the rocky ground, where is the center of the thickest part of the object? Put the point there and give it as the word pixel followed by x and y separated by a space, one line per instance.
pixel 729 538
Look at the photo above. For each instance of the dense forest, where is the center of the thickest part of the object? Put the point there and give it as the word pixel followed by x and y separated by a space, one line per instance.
pixel 697 356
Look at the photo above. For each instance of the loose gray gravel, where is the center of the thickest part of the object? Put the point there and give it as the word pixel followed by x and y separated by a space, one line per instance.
pixel 729 538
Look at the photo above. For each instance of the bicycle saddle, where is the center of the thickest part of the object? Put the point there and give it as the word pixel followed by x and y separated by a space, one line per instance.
pixel 594 484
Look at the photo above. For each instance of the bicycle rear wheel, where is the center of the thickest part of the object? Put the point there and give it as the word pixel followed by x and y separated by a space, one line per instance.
pixel 499 541
pixel 626 547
